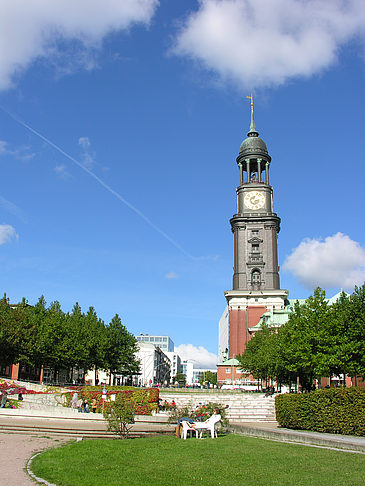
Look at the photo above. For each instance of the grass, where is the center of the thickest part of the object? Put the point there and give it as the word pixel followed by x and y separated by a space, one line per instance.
pixel 228 460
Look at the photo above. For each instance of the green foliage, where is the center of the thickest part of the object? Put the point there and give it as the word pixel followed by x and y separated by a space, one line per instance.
pixel 9 348
pixel 318 340
pixel 180 378
pixel 209 376
pixel 201 413
pixel 120 415
pixel 259 355
pixel 120 346
pixel 144 400
pixel 334 410
pixel 37 335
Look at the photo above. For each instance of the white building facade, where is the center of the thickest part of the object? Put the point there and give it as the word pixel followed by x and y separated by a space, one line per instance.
pixel 175 364
pixel 155 366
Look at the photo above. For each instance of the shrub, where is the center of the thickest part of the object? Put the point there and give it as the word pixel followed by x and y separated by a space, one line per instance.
pixel 120 416
pixel 334 410
pixel 145 400
pixel 199 414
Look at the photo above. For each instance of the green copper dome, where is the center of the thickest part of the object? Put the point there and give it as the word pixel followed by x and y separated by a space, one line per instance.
pixel 253 146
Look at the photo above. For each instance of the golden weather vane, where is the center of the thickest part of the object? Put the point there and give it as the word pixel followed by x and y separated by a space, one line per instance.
pixel 250 98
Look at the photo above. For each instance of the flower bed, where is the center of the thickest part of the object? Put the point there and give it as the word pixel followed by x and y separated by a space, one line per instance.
pixel 12 388
pixel 145 399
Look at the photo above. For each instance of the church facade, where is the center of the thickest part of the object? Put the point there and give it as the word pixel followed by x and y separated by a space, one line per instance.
pixel 255 227
pixel 256 296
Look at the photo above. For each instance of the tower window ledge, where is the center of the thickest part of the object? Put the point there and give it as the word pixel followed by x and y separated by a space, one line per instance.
pixel 255 264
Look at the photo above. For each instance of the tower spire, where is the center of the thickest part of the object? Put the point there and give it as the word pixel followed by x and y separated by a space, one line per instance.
pixel 253 131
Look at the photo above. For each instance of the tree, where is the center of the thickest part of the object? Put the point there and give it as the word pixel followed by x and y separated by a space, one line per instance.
pixel 208 377
pixel 349 317
pixel 54 339
pixel 96 336
pixel 180 378
pixel 356 332
pixel 259 357
pixel 9 348
pixel 120 349
pixel 302 338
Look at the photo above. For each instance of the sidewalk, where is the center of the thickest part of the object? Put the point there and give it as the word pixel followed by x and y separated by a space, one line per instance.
pixel 271 430
pixel 17 449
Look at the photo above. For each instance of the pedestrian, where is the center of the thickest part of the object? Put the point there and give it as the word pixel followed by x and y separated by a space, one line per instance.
pixel 74 400
pixel 85 406
pixel 93 405
pixel 4 399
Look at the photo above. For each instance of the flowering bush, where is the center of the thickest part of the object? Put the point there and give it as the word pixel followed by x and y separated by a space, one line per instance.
pixel 199 414
pixel 144 400
pixel 120 416
pixel 12 387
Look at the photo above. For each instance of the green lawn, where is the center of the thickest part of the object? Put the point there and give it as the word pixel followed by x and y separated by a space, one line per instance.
pixel 229 460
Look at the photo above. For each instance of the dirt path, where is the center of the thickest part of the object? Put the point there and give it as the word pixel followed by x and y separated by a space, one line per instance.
pixel 16 449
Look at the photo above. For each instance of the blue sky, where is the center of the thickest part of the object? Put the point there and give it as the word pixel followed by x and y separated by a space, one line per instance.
pixel 120 123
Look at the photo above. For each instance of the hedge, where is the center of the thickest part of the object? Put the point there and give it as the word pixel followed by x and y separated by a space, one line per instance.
pixel 145 399
pixel 333 410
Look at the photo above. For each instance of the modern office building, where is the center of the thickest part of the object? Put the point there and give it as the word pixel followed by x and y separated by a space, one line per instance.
pixel 165 343
pixel 155 366
pixel 175 364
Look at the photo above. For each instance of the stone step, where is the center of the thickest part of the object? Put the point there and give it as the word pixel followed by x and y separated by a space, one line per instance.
pixel 241 408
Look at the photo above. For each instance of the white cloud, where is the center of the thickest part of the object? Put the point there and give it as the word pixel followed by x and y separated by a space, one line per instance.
pixel 7 233
pixel 61 171
pixel 3 147
pixel 171 275
pixel 11 207
pixel 34 29
pixel 201 357
pixel 84 142
pixel 336 261
pixel 265 42
pixel 21 153
pixel 88 157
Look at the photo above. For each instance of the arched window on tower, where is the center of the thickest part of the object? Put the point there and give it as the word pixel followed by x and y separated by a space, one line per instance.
pixel 256 278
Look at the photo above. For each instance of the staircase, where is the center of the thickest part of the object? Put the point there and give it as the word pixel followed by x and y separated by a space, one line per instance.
pixel 243 407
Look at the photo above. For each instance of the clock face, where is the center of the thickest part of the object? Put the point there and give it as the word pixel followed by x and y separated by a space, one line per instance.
pixel 254 200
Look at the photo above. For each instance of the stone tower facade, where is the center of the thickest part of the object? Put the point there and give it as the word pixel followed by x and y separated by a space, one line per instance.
pixel 255 227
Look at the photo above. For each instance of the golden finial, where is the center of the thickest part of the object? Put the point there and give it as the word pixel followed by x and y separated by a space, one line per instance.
pixel 250 98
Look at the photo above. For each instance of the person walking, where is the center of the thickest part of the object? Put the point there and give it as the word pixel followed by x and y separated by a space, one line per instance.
pixel 4 399
pixel 93 405
pixel 74 400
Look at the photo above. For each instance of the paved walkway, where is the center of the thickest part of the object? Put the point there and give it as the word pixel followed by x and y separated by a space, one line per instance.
pixel 16 450
pixel 271 430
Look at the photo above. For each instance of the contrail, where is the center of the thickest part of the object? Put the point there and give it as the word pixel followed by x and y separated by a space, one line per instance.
pixel 101 182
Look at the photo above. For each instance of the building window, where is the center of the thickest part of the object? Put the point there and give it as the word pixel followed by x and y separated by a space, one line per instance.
pixel 255 247
pixel 256 277
pixel 228 370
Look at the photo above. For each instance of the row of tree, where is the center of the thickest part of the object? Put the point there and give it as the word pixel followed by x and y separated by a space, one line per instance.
pixel 39 335
pixel 319 340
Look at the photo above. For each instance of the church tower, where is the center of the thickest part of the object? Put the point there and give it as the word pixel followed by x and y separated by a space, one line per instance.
pixel 255 228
